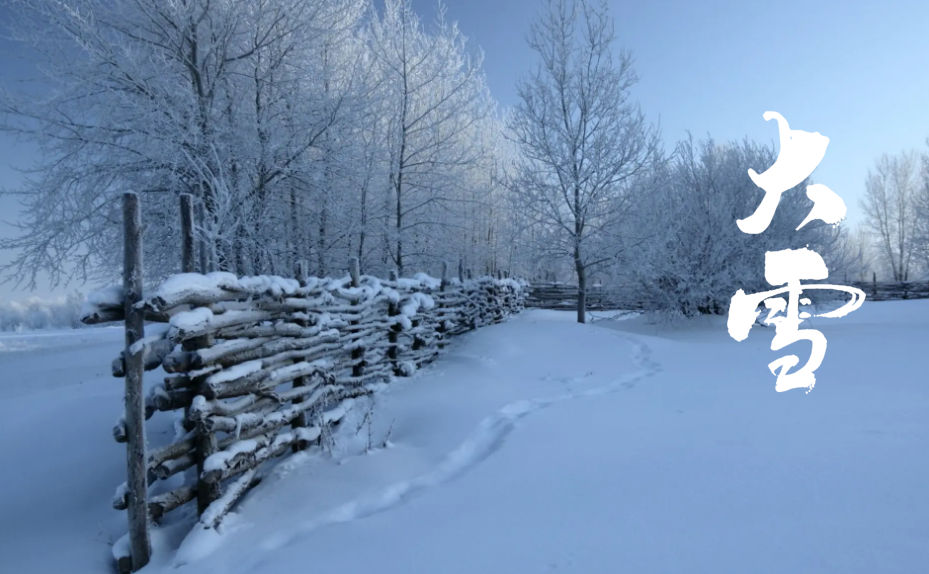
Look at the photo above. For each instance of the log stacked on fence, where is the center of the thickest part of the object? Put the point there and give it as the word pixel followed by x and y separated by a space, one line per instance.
pixel 264 366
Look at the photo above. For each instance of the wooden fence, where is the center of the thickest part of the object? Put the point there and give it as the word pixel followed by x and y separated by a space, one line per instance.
pixel 262 366
pixel 564 295
pixel 890 291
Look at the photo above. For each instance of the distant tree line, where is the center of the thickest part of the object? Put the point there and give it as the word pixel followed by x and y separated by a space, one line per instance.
pixel 36 314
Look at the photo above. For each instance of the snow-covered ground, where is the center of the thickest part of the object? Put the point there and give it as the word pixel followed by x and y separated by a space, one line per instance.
pixel 533 446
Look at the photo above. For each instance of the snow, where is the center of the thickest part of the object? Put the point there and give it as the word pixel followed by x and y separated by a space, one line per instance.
pixel 338 412
pixel 192 320
pixel 415 302
pixel 235 372
pixel 107 297
pixel 221 459
pixel 111 295
pixel 153 333
pixel 181 284
pixel 536 445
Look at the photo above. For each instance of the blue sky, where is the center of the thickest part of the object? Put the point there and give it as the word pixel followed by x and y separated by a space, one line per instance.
pixel 857 72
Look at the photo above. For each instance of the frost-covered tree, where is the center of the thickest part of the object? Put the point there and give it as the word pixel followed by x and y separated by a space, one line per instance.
pixel 890 211
pixel 686 254
pixel 198 96
pixel 921 208
pixel 581 139
pixel 856 261
pixel 307 130
pixel 435 102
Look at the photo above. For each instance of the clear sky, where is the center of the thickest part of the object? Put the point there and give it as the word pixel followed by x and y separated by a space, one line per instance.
pixel 855 71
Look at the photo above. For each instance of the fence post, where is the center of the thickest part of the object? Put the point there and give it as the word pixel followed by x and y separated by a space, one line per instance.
pixel 441 328
pixel 392 335
pixel 201 223
pixel 358 353
pixel 354 269
pixel 188 261
pixel 461 270
pixel 140 546
pixel 187 233
pixel 302 419
pixel 207 491
pixel 205 442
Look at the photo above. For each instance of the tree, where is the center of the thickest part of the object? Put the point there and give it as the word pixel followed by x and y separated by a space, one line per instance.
pixel 688 256
pixel 183 96
pixel 305 130
pixel 921 208
pixel 890 210
pixel 581 139
pixel 436 99
pixel 857 256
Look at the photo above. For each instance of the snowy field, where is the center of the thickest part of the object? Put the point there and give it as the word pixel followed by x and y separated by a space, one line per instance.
pixel 533 446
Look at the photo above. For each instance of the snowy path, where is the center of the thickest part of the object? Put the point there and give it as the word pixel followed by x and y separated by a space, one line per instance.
pixel 487 439
pixel 537 445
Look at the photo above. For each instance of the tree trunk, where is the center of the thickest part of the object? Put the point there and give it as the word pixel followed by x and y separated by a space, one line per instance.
pixel 364 223
pixel 321 270
pixel 581 286
pixel 187 234
pixel 399 258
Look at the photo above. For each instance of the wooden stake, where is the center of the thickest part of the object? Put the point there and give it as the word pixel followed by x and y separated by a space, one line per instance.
pixel 358 363
pixel 303 419
pixel 207 491
pixel 187 233
pixel 440 328
pixel 356 273
pixel 140 546
pixel 201 223
pixel 392 335
pixel 300 272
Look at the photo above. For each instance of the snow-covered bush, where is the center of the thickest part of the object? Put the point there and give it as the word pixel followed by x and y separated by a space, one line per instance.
pixel 686 254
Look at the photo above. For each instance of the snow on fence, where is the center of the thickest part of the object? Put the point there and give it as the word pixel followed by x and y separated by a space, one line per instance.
pixel 262 366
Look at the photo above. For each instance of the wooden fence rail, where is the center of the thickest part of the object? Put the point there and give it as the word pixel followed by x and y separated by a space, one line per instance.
pixel 564 295
pixel 262 366
pixel 891 291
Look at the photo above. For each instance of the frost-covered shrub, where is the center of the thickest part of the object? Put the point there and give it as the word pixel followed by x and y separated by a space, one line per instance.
pixel 690 257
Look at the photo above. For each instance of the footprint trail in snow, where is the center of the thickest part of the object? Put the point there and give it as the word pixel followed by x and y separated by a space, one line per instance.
pixel 489 437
